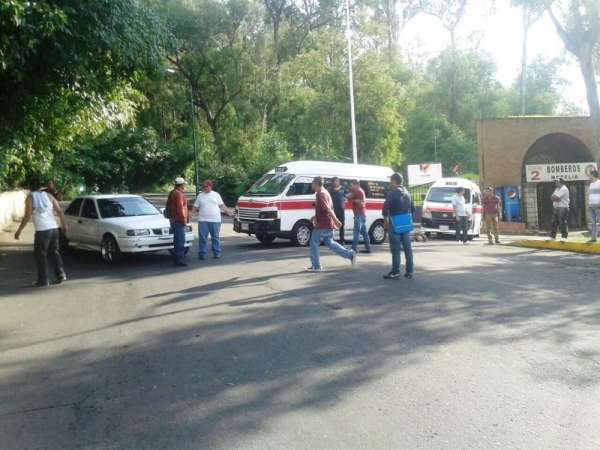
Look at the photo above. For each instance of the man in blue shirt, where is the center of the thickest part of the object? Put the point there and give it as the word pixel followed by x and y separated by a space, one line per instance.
pixel 338 196
pixel 398 202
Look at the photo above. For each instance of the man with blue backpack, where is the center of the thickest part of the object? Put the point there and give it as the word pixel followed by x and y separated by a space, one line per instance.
pixel 397 211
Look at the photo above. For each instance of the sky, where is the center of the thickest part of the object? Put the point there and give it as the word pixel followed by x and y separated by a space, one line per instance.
pixel 502 38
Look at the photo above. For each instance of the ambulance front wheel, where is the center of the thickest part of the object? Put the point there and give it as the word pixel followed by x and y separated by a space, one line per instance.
pixel 301 233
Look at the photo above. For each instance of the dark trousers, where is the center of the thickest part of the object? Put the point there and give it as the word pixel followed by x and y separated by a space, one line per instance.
pixel 560 219
pixel 45 246
pixel 462 228
pixel 178 241
pixel 341 216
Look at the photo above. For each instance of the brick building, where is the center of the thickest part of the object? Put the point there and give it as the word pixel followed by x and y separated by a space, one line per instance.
pixel 515 151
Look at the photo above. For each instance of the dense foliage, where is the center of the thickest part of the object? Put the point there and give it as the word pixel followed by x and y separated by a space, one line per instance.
pixel 98 93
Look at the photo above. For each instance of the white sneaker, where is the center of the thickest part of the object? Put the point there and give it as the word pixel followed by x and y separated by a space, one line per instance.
pixel 312 269
pixel 562 239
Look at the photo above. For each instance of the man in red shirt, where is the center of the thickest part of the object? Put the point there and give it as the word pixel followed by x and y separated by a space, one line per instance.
pixel 324 222
pixel 177 211
pixel 491 215
pixel 359 207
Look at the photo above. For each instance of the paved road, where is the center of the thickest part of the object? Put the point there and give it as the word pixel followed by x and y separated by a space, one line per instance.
pixel 487 348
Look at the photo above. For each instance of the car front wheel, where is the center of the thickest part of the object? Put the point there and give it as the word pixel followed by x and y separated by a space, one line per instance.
pixel 110 250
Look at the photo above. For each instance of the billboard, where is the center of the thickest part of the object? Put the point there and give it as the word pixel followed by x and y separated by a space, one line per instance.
pixel 424 173
pixel 543 173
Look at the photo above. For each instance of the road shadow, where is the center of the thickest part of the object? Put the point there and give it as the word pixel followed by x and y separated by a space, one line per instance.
pixel 303 343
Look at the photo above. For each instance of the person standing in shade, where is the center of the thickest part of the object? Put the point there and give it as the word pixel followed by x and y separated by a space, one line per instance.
pixel 42 208
pixel 398 202
pixel 594 205
pixel 177 213
pixel 461 212
pixel 560 215
pixel 324 222
pixel 338 197
pixel 209 206
pixel 491 215
pixel 359 204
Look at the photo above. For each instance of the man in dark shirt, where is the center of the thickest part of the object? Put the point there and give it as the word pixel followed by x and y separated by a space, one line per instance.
pixel 491 214
pixel 324 222
pixel 398 202
pixel 339 205
pixel 178 215
pixel 359 208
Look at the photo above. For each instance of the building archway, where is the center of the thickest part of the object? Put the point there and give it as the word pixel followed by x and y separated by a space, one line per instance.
pixel 557 148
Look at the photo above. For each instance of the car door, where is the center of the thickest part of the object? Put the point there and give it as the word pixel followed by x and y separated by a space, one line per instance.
pixel 89 223
pixel 72 218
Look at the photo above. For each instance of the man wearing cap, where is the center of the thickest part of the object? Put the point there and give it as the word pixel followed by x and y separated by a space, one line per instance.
pixel 177 212
pixel 209 205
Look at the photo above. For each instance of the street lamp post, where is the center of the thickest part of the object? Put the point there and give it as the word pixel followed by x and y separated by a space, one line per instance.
pixel 351 84
pixel 196 164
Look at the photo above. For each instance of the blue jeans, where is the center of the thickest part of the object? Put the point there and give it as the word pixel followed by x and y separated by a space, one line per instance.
pixel 594 219
pixel 462 228
pixel 360 228
pixel 178 241
pixel 327 237
pixel 400 242
pixel 204 229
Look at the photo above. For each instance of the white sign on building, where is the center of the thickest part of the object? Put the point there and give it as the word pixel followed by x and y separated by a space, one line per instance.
pixel 419 174
pixel 543 173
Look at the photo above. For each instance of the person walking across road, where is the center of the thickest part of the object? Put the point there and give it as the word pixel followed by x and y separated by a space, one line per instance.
pixel 324 222
pixel 397 212
pixel 338 197
pixel 209 206
pixel 177 213
pixel 359 203
pixel 42 208
pixel 462 216
pixel 560 216
pixel 491 214
pixel 594 205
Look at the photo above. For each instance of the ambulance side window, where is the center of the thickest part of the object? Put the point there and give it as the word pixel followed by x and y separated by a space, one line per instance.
pixel 374 189
pixel 300 189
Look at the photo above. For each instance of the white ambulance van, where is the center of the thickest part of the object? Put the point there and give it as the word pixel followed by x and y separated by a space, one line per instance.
pixel 438 214
pixel 281 203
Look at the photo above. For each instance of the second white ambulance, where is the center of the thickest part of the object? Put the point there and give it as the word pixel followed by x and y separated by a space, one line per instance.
pixel 281 203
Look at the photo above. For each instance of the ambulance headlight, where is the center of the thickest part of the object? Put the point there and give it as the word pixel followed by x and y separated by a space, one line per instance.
pixel 426 214
pixel 267 215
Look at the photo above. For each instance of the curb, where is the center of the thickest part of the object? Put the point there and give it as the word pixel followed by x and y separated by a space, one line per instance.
pixel 577 247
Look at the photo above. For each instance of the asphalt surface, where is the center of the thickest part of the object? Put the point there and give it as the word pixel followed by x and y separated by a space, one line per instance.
pixel 488 347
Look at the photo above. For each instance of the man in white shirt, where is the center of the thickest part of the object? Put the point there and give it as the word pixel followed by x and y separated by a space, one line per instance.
pixel 594 204
pixel 209 206
pixel 462 215
pixel 560 217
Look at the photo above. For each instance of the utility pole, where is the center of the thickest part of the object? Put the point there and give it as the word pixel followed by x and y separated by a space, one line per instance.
pixel 193 120
pixel 351 84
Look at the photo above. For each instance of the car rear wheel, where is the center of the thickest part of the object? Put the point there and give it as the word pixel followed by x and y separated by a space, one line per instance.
pixel 110 250
pixel 377 233
pixel 265 238
pixel 301 233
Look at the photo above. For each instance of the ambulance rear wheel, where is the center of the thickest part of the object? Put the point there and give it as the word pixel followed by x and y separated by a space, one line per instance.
pixel 377 233
pixel 301 233
pixel 265 238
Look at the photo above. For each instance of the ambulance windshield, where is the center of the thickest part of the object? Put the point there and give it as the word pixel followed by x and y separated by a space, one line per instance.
pixel 270 184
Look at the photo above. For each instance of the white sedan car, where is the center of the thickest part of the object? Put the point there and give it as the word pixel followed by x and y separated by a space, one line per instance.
pixel 118 224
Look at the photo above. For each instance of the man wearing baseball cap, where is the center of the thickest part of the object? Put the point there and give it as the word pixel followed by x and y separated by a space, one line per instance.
pixel 209 206
pixel 177 213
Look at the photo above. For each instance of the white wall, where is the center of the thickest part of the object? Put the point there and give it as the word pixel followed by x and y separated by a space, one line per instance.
pixel 12 207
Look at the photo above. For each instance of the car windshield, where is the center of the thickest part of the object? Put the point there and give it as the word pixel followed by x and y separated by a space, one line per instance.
pixel 270 184
pixel 125 207
pixel 445 194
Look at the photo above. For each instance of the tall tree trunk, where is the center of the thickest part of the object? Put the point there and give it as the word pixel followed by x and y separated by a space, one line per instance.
pixel 523 80
pixel 453 109
pixel 591 87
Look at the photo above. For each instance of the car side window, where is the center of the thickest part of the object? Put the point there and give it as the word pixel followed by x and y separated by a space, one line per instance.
pixel 300 189
pixel 74 207
pixel 89 209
